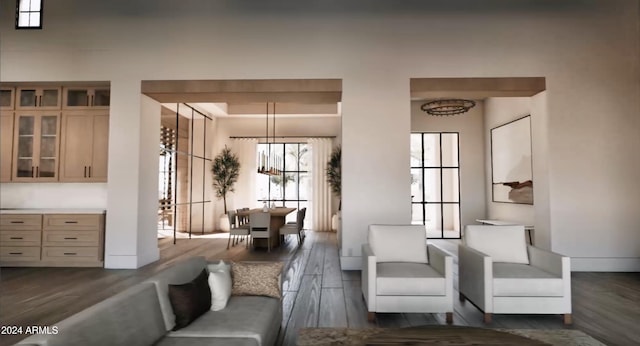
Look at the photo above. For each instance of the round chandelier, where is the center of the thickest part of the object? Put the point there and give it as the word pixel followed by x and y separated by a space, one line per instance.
pixel 447 106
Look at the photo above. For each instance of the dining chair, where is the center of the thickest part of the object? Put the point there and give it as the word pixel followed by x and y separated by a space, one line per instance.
pixel 237 232
pixel 260 227
pixel 295 228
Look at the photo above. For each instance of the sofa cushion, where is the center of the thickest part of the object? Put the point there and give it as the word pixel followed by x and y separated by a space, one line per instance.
pixel 220 285
pixel 252 317
pixel 502 243
pixel 522 280
pixel 398 243
pixel 408 279
pixel 179 273
pixel 131 317
pixel 256 279
pixel 190 300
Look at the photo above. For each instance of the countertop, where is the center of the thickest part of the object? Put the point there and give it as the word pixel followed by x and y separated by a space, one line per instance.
pixel 51 211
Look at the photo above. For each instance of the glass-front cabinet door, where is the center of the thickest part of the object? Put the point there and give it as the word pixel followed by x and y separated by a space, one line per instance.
pixel 36 146
pixel 38 98
pixel 86 97
pixel 7 96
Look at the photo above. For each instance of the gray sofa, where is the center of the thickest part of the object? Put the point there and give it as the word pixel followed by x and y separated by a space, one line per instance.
pixel 142 315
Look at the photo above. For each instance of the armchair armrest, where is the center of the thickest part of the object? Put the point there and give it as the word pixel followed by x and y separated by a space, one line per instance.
pixel 440 260
pixel 369 274
pixel 475 277
pixel 550 261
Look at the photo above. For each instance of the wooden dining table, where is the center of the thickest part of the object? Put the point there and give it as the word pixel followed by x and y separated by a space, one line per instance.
pixel 278 219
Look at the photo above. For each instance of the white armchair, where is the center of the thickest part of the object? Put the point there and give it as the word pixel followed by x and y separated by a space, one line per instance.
pixel 500 273
pixel 400 273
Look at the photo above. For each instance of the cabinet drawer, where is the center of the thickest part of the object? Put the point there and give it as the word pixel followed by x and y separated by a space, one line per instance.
pixel 20 222
pixel 67 222
pixel 19 253
pixel 70 253
pixel 20 238
pixel 71 238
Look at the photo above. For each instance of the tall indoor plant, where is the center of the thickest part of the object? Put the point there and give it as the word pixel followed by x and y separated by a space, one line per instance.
pixel 225 170
pixel 334 172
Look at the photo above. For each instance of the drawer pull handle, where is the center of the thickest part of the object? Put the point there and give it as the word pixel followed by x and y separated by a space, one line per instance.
pixel 70 238
pixel 70 253
pixel 17 221
pixel 16 238
pixel 15 253
pixel 71 222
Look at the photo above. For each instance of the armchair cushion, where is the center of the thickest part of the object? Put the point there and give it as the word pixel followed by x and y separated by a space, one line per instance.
pixel 398 243
pixel 522 280
pixel 502 243
pixel 409 279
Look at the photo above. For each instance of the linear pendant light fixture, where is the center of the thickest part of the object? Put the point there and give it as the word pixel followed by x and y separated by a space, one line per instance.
pixel 269 163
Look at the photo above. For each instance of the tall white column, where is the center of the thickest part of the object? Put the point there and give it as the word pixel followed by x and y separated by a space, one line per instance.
pixel 134 125
pixel 376 124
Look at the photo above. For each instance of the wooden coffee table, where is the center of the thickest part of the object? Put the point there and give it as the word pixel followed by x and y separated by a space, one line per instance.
pixel 448 335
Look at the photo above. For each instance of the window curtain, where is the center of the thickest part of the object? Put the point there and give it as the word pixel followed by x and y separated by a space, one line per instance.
pixel 244 195
pixel 320 190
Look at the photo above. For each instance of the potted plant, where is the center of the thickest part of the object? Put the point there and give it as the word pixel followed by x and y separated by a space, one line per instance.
pixel 334 178
pixel 225 170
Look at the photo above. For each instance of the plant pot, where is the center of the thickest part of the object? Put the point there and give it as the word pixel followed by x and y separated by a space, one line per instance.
pixel 335 221
pixel 224 223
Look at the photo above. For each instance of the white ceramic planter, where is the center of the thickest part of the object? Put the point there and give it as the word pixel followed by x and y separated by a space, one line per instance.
pixel 224 223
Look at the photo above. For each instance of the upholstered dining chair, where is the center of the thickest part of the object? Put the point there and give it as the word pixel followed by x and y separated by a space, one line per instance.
pixel 295 228
pixel 260 227
pixel 237 232
pixel 304 215
pixel 500 273
pixel 401 273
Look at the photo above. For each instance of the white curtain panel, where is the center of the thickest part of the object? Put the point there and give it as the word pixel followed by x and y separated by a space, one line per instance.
pixel 320 191
pixel 246 149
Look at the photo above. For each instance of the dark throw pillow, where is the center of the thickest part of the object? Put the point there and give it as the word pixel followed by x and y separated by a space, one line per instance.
pixel 189 301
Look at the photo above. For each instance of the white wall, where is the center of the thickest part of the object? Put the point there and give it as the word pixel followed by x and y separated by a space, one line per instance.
pixel 53 195
pixel 472 156
pixel 375 47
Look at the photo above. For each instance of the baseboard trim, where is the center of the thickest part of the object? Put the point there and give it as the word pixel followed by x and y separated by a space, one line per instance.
pixel 599 264
pixel 350 262
pixel 121 262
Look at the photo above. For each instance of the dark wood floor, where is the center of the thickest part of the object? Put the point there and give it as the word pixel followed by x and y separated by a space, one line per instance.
pixel 316 293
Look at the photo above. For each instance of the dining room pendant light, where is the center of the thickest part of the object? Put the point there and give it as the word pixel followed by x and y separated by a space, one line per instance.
pixel 269 163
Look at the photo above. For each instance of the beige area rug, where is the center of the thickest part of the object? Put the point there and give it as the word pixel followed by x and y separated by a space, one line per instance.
pixel 355 337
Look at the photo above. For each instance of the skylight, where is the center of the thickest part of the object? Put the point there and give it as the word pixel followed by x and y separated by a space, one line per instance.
pixel 28 14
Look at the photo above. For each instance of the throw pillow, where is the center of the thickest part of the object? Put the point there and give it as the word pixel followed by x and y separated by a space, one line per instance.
pixel 257 279
pixel 220 285
pixel 189 301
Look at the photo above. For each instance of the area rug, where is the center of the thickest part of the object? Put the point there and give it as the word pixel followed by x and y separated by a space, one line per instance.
pixel 356 337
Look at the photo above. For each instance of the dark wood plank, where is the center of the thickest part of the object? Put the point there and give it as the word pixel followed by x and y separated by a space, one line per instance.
pixel 305 311
pixel 315 265
pixel 332 308
pixel 332 274
pixel 355 306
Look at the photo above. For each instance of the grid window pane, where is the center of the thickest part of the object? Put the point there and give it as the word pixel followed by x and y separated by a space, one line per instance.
pixel 435 185
pixel 450 150
pixel 417 217
pixel 34 19
pixel 416 185
pixel 291 187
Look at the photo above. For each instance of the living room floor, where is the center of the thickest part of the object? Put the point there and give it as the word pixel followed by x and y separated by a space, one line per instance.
pixel 316 292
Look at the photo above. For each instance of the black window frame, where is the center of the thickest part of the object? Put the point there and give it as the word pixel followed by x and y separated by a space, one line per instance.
pixel 441 167
pixel 284 199
pixel 18 13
